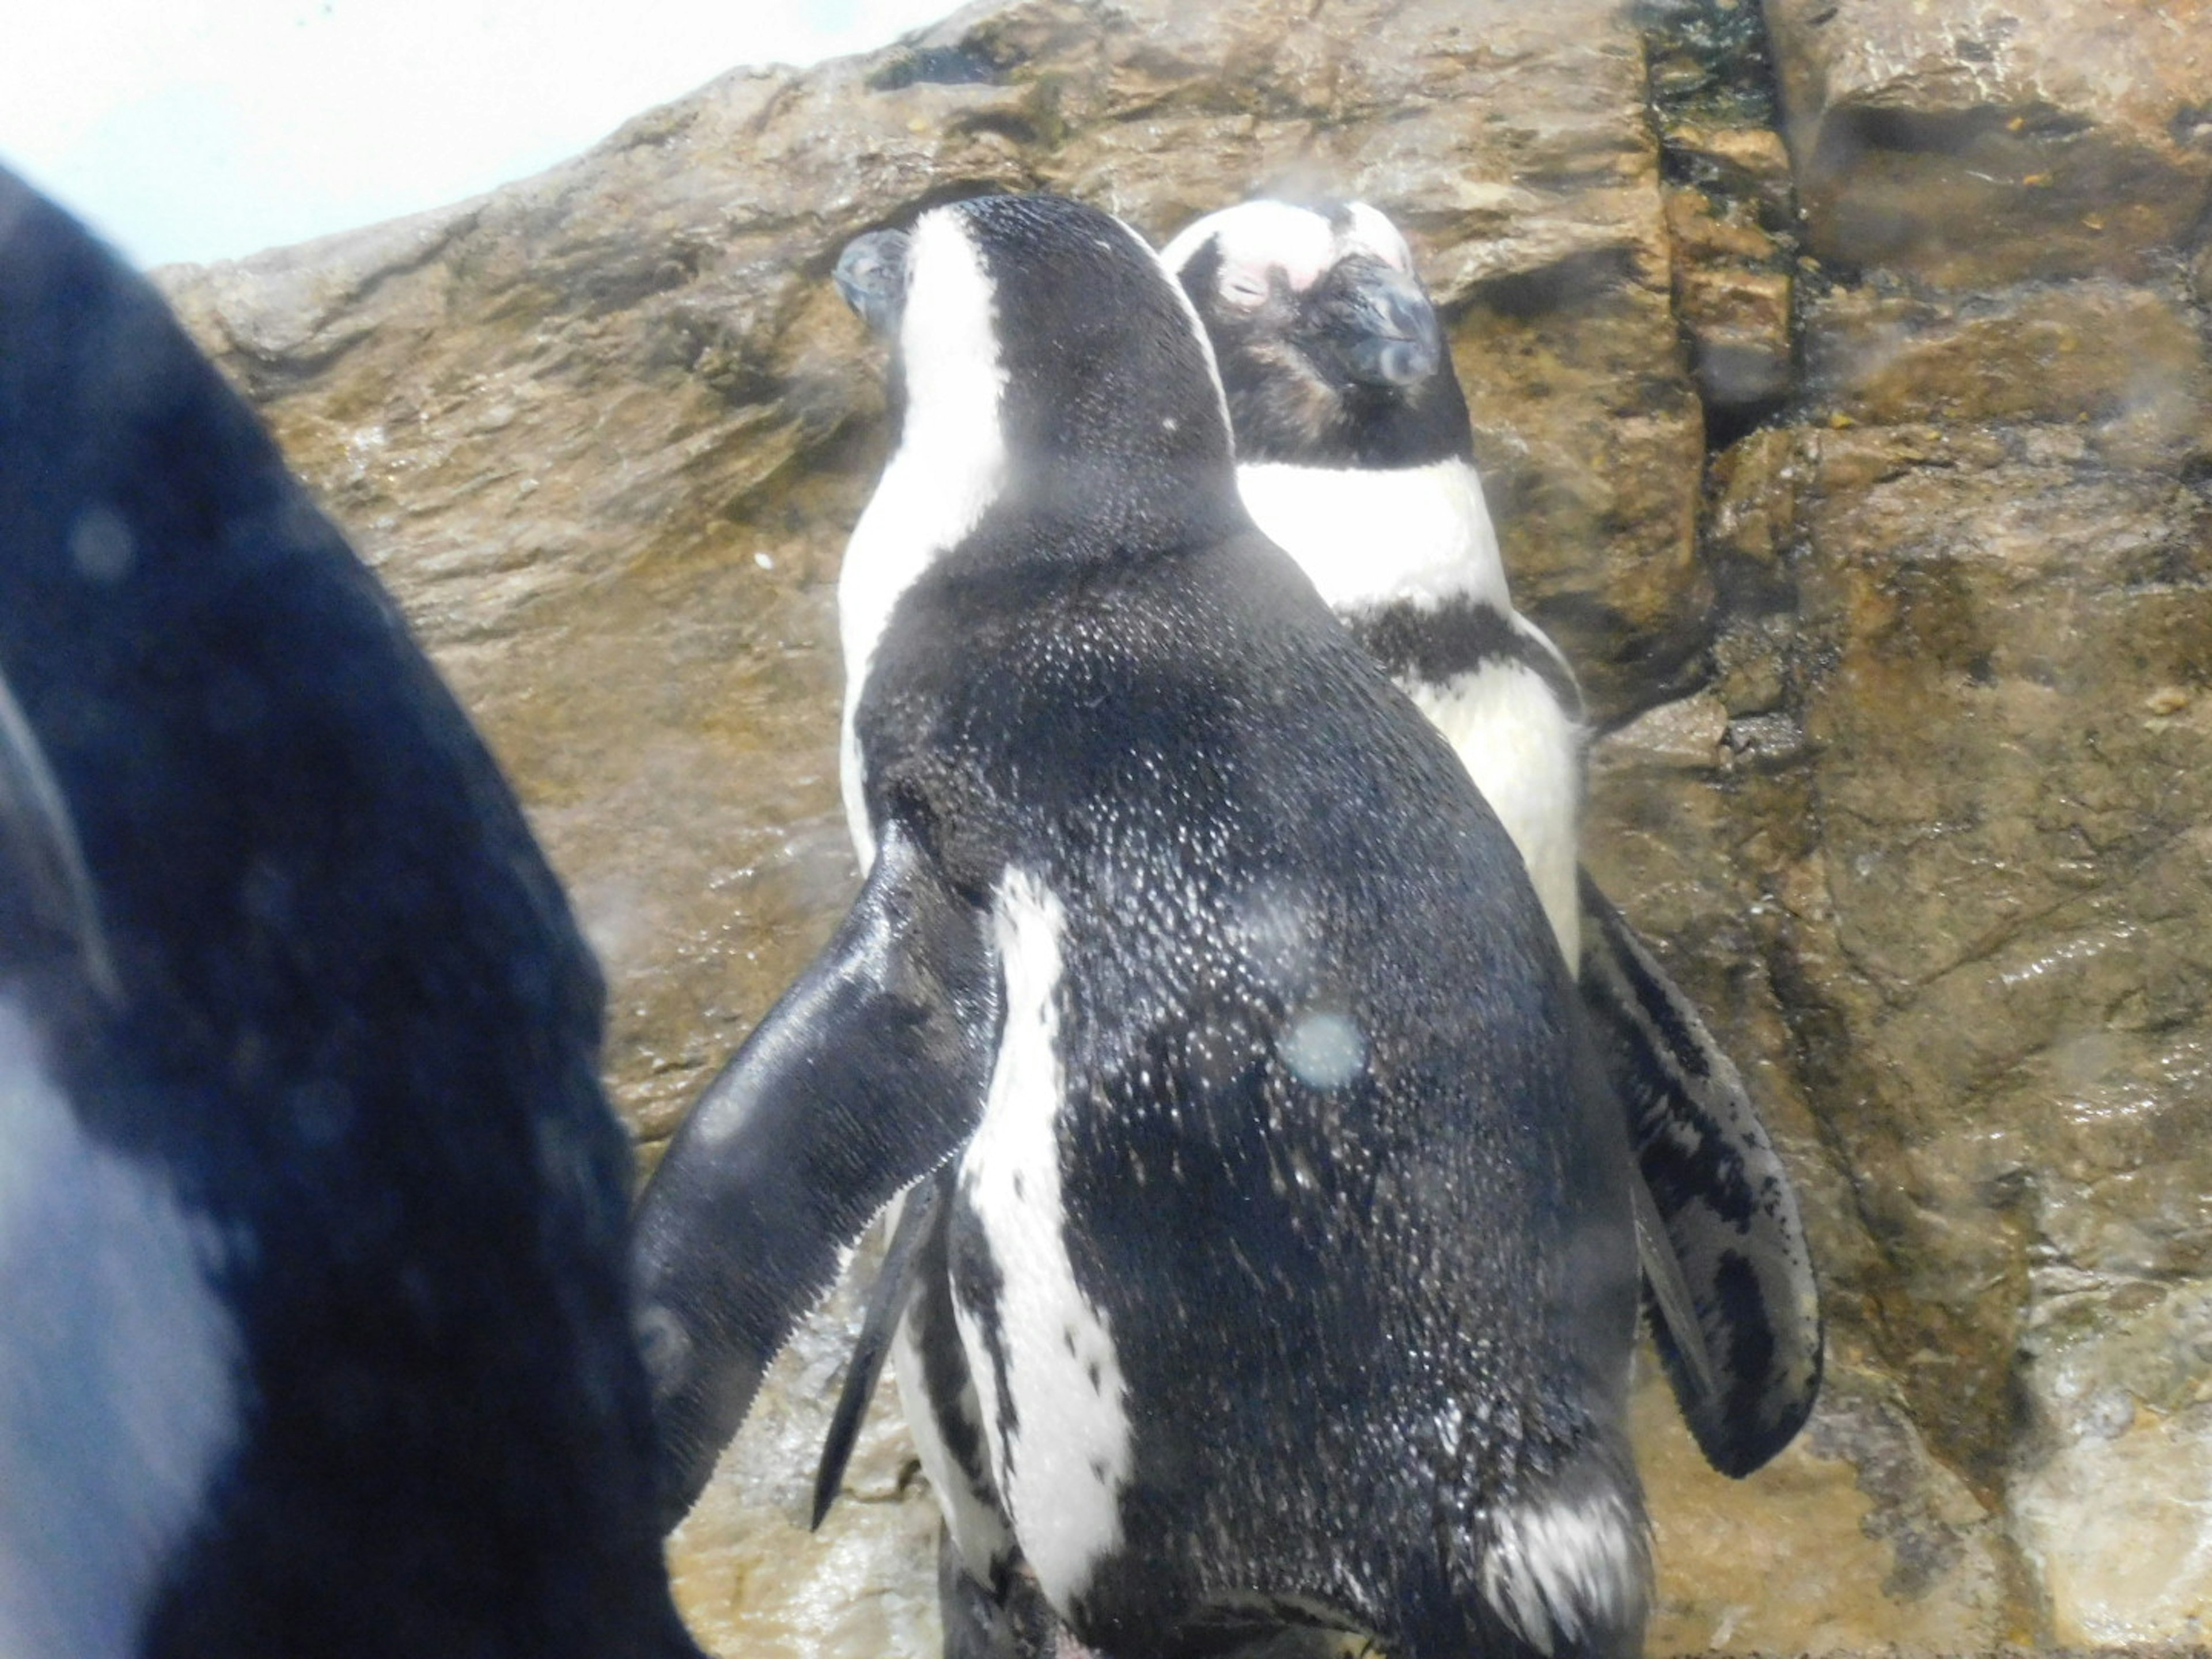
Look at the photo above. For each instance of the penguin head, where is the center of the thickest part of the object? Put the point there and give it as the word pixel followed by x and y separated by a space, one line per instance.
pixel 1330 351
pixel 1048 371
pixel 872 275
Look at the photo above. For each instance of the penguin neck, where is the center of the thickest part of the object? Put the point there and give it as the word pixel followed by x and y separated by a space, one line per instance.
pixel 946 476
pixel 1373 535
pixel 950 466
pixel 931 496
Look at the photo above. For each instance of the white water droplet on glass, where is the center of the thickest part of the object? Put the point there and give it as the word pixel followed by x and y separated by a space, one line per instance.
pixel 1323 1048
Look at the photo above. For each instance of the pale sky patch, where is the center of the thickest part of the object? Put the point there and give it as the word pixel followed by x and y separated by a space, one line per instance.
pixel 207 129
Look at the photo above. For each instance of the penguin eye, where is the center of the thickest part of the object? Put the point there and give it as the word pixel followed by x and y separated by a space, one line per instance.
pixel 1244 287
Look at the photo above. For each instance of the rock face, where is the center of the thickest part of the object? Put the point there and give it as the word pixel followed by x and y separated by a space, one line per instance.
pixel 1840 376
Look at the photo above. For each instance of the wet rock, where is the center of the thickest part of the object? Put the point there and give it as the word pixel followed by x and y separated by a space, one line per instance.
pixel 1995 652
pixel 1732 292
pixel 1936 811
pixel 2128 363
pixel 1730 202
pixel 1969 142
pixel 2113 1511
pixel 1748 164
pixel 1854 1539
pixel 1984 621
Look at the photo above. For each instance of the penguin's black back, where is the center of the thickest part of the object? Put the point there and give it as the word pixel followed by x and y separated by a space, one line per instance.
pixel 351 1023
pixel 1332 1165
pixel 1242 824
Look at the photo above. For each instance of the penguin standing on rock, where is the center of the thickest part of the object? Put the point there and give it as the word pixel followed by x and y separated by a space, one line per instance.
pixel 313 1330
pixel 1283 1227
pixel 1354 454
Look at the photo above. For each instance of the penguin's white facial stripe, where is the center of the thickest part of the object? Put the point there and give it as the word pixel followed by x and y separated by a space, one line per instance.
pixel 950 467
pixel 1255 240
pixel 1560 1569
pixel 119 1384
pixel 1371 233
pixel 1367 535
pixel 1061 1470
pixel 1262 241
pixel 949 349
pixel 1525 754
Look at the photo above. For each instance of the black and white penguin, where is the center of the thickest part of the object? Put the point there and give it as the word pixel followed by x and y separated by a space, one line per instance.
pixel 1354 453
pixel 313 1321
pixel 1286 1241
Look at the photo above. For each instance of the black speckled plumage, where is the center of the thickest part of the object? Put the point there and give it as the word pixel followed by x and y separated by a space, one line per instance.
pixel 1212 771
pixel 1363 1310
pixel 1730 1212
pixel 1434 644
pixel 1737 1314
pixel 347 1019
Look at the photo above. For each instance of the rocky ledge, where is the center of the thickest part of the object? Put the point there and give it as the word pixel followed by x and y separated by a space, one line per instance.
pixel 1839 372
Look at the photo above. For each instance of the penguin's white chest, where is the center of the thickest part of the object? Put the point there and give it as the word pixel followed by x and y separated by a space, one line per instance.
pixel 118 1389
pixel 1049 1383
pixel 1525 754
pixel 1366 536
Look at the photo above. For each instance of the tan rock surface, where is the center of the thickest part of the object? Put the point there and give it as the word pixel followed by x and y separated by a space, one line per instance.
pixel 1732 292
pixel 1914 804
pixel 1971 142
pixel 1853 1538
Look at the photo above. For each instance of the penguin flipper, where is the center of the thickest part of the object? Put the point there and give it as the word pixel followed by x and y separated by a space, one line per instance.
pixel 1674 1309
pixel 886 1306
pixel 868 1073
pixel 47 910
pixel 1727 1204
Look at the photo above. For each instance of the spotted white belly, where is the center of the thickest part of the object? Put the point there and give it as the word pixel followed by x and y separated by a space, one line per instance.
pixel 1062 1455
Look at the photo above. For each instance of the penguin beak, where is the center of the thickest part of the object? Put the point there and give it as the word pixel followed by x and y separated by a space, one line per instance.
pixel 872 275
pixel 1379 325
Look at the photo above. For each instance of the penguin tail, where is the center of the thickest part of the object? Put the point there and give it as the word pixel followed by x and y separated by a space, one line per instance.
pixel 1560 1564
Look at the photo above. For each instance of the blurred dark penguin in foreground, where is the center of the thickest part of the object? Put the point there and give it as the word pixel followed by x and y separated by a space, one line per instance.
pixel 1354 453
pixel 314 1335
pixel 1271 1264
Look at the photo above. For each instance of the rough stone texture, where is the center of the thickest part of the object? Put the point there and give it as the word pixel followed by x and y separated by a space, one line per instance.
pixel 1732 295
pixel 1996 540
pixel 1973 141
pixel 2006 913
pixel 1855 1537
pixel 1882 534
pixel 751 1578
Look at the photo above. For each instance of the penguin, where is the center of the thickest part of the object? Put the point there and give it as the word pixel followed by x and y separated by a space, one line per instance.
pixel 314 1332
pixel 1285 1230
pixel 1354 453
